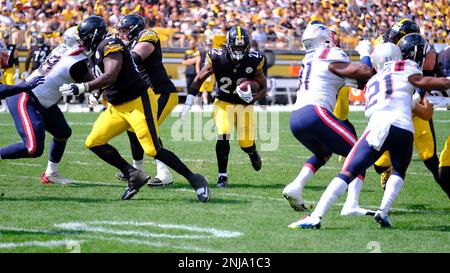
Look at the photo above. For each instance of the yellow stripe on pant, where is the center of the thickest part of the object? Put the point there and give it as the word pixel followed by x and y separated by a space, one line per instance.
pixel 227 115
pixel 116 119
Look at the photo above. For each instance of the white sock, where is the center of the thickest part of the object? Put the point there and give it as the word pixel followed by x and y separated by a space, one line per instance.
pixel 160 166
pixel 393 188
pixel 303 177
pixel 336 188
pixel 52 168
pixel 354 189
pixel 138 164
pixel 222 174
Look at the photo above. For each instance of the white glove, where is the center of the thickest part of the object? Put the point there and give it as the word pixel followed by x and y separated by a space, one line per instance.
pixel 187 106
pixel 73 88
pixel 439 101
pixel 245 95
pixel 351 83
pixel 364 48
pixel 24 75
pixel 17 74
pixel 93 100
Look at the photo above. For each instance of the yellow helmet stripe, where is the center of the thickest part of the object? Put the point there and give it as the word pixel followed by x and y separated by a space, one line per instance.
pixel 239 32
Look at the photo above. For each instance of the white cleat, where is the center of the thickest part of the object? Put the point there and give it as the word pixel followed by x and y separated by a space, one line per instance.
pixel 294 197
pixel 55 179
pixel 382 219
pixel 306 222
pixel 347 211
pixel 162 178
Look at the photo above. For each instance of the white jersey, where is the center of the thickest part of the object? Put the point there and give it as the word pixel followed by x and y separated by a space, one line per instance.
pixel 316 84
pixel 388 95
pixel 56 69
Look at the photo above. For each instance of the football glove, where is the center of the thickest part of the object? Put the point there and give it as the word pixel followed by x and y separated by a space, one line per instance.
pixel 17 74
pixel 246 96
pixel 94 98
pixel 351 83
pixel 187 106
pixel 364 48
pixel 73 88
pixel 30 85
pixel 24 75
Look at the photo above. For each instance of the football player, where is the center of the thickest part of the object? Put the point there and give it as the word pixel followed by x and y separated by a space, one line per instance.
pixel 323 73
pixel 37 111
pixel 145 49
pixel 11 73
pixel 36 55
pixel 424 137
pixel 390 127
pixel 232 65
pixel 129 105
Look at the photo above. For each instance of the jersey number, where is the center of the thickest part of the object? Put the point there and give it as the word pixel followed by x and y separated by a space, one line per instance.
pixel 39 56
pixel 374 88
pixel 307 74
pixel 225 82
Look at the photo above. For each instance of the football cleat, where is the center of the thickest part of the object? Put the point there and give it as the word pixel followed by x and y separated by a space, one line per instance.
pixel 156 182
pixel 162 178
pixel 307 221
pixel 382 219
pixel 54 179
pixel 222 181
pixel 256 160
pixel 346 211
pixel 384 177
pixel 136 180
pixel 200 185
pixel 294 197
pixel 119 175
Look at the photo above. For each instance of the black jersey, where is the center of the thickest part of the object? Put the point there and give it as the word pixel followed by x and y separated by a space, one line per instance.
pixel 128 85
pixel 36 56
pixel 229 75
pixel 152 69
pixel 12 60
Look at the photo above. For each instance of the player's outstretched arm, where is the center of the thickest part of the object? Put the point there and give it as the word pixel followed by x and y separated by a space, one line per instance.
pixel 349 70
pixel 429 83
pixel 11 90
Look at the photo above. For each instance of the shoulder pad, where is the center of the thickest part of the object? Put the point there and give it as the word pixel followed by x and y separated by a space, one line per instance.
pixel 113 45
pixel 408 66
pixel 148 36
pixel 333 54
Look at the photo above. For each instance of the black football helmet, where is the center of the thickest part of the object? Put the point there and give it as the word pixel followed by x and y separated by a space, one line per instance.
pixel 238 43
pixel 92 31
pixel 400 29
pixel 130 26
pixel 413 47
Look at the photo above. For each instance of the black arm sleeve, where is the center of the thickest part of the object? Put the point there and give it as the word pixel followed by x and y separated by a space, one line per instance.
pixel 11 90
pixel 80 72
pixel 136 58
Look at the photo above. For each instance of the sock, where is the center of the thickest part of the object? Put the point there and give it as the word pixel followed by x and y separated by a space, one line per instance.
pixel 137 151
pixel 432 164
pixel 303 177
pixel 110 155
pixel 162 170
pixel 222 174
pixel 314 163
pixel 52 168
pixel 393 187
pixel 380 169
pixel 138 164
pixel 336 188
pixel 16 150
pixel 171 160
pixel 57 148
pixel 222 152
pixel 354 189
pixel 444 179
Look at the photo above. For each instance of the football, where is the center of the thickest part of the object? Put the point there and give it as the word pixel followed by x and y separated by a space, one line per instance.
pixel 254 85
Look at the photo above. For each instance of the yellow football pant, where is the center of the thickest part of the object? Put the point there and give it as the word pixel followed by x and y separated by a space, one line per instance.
pixel 423 140
pixel 208 84
pixel 139 114
pixel 444 160
pixel 8 76
pixel 342 108
pixel 227 115
pixel 166 103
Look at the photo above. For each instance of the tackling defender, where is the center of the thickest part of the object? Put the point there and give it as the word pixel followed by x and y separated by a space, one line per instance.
pixel 129 105
pixel 231 66
pixel 145 49
pixel 389 102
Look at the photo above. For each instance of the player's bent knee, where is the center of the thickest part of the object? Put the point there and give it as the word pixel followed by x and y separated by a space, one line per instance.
pixel 425 155
pixel 91 142
pixel 37 152
pixel 246 144
pixel 150 151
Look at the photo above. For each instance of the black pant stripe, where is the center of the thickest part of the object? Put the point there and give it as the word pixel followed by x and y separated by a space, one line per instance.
pixel 149 118
pixel 162 102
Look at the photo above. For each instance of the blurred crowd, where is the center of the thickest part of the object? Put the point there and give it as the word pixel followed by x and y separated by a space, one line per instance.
pixel 273 23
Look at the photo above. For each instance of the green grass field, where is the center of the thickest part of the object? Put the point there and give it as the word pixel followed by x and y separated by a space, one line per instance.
pixel 249 216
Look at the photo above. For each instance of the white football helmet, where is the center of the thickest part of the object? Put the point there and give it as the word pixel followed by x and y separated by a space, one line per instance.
pixel 71 38
pixel 316 35
pixel 4 54
pixel 383 53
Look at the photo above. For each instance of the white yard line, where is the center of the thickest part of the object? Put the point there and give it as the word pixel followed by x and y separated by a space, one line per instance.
pixel 51 243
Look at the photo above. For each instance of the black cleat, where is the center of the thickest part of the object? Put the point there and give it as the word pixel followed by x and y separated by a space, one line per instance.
pixel 200 185
pixel 119 175
pixel 256 160
pixel 136 180
pixel 222 182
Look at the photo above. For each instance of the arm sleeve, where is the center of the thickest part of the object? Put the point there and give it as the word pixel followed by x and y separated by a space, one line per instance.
pixel 80 72
pixel 10 90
